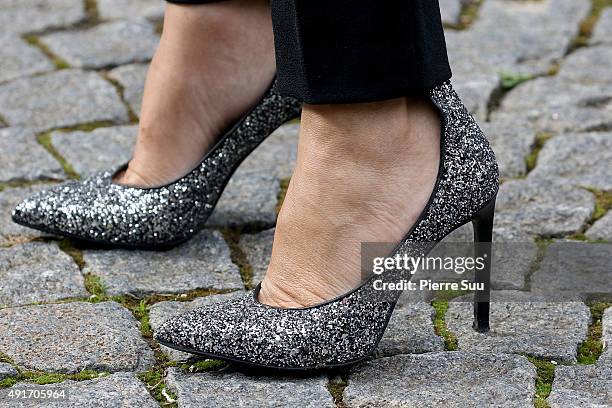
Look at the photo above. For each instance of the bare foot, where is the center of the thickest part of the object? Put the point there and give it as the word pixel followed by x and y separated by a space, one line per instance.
pixel 364 173
pixel 213 63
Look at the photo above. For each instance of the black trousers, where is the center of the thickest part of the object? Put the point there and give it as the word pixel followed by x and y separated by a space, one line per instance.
pixel 347 51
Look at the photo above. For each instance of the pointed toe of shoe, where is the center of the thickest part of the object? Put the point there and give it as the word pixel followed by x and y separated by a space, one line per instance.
pixel 34 212
pixel 56 210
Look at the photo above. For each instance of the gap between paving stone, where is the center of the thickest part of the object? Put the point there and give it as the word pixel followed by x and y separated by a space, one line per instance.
pixel 121 91
pixel 131 79
pixel 588 25
pixel 58 62
pixel 22 160
pixel 598 335
pixel 100 149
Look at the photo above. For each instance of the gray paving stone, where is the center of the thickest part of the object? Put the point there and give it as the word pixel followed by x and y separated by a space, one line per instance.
pixel 132 78
pixel 587 66
pixel 576 99
pixel 249 198
pixel 522 323
pixel 583 159
pixel 22 158
pixel 606 337
pixel 443 379
pixel 115 390
pixel 410 330
pixel 258 250
pixel 202 262
pixel 83 97
pixel 125 9
pixel 581 386
pixel 603 29
pixel 543 208
pixel 107 44
pixel 450 10
pixel 35 15
pixel 162 311
pixel 534 35
pixel 514 37
pixel 71 337
pixel 37 272
pixel 252 194
pixel 11 232
pixel 511 142
pixel 574 268
pixel 100 149
pixel 7 370
pixel 223 389
pixel 575 107
pixel 17 58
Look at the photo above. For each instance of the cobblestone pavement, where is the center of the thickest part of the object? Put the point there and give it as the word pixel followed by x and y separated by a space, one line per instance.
pixel 535 72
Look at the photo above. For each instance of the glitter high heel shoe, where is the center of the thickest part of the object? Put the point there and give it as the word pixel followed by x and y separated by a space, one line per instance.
pixel 100 211
pixel 347 329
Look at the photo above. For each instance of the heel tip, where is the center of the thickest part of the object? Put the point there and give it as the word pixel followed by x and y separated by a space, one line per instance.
pixel 481 328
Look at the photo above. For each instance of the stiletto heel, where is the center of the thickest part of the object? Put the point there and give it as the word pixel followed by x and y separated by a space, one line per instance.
pixel 345 330
pixel 98 210
pixel 483 238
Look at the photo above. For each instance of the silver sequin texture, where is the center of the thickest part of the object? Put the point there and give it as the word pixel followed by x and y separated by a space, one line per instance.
pixel 347 329
pixel 95 209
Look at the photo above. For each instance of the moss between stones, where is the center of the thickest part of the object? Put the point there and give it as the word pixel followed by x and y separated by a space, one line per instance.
pixel 509 80
pixel 284 185
pixel 201 366
pixel 44 139
pixel 75 253
pixel 95 286
pixel 532 159
pixel 42 378
pixel 440 305
pixel 545 371
pixel 588 24
pixel 6 359
pixel 91 9
pixel 592 347
pixel 159 26
pixel 121 91
pixel 237 255
pixel 469 13
pixel 542 244
pixel 155 383
pixel 26 183
pixel 58 62
pixel 603 203
pixel 336 387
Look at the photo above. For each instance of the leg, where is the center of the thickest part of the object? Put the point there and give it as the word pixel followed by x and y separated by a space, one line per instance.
pixel 213 62
pixel 365 170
